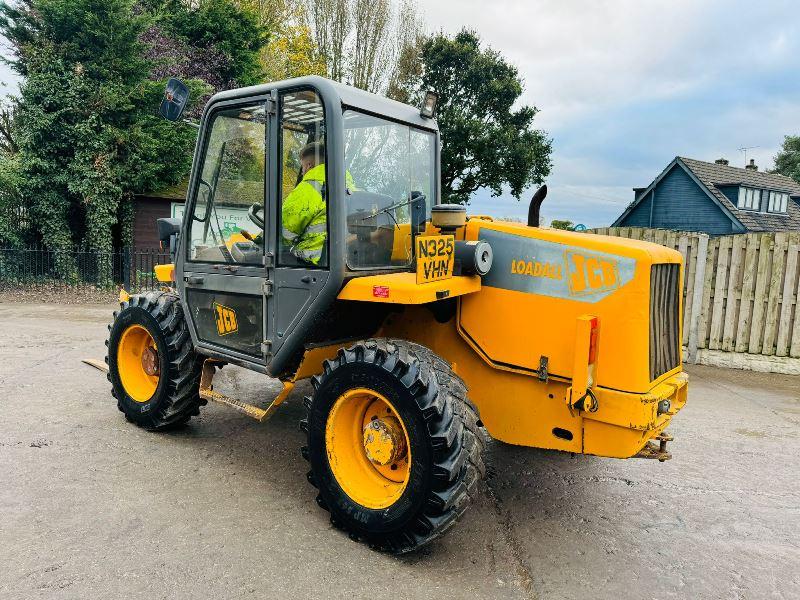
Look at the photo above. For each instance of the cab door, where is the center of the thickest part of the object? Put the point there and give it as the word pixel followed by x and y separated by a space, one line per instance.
pixel 226 254
pixel 300 272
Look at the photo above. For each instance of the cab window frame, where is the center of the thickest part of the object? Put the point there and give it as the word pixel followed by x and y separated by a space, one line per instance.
pixel 194 190
pixel 282 93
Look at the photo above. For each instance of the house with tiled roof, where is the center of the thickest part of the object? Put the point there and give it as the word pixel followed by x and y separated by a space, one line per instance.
pixel 716 198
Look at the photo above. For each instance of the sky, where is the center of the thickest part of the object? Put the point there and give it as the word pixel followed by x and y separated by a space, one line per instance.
pixel 624 86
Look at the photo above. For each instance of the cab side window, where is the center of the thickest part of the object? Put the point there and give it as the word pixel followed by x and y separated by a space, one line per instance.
pixel 392 169
pixel 228 216
pixel 303 230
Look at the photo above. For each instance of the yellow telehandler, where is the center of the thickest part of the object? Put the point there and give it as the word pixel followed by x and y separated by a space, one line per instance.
pixel 313 245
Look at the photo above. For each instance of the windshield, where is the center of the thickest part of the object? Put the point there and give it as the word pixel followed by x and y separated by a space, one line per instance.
pixel 390 170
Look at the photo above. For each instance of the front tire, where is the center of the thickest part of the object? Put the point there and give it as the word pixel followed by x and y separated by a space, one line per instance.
pixel 410 488
pixel 153 369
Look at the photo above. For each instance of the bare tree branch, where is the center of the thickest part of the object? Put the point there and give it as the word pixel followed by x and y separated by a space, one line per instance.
pixel 370 50
pixel 330 21
pixel 367 44
pixel 407 60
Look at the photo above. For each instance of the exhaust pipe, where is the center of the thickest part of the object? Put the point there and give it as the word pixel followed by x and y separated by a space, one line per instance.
pixel 536 203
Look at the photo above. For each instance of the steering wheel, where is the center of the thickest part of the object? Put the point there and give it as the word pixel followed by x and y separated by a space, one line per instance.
pixel 254 214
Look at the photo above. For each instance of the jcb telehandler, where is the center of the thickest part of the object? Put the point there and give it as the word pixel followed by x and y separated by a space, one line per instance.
pixel 417 325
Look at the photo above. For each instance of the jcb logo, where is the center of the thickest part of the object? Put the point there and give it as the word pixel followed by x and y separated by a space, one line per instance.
pixel 590 274
pixel 226 319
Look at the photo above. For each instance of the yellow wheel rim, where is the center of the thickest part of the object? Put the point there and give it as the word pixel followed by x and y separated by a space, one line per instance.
pixel 137 363
pixel 368 448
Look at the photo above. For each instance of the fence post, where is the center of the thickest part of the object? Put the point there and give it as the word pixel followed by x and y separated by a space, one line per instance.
pixel 126 267
pixel 697 297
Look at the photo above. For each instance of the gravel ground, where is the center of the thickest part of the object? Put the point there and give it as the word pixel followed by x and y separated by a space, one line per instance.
pixel 92 507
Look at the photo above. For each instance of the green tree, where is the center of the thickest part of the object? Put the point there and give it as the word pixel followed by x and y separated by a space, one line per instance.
pixel 230 28
pixel 10 207
pixel 559 224
pixel 86 126
pixel 10 234
pixel 8 145
pixel 787 161
pixel 486 142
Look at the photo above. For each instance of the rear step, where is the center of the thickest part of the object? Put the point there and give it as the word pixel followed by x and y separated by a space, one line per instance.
pixel 259 414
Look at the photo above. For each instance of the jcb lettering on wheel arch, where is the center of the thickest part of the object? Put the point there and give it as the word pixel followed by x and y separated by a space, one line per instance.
pixel 225 317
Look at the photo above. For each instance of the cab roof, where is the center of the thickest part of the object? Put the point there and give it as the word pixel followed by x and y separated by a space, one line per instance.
pixel 347 95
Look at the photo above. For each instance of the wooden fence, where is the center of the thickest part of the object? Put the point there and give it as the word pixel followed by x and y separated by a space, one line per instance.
pixel 740 305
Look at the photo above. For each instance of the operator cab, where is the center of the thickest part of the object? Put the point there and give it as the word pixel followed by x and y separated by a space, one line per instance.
pixel 389 170
pixel 367 192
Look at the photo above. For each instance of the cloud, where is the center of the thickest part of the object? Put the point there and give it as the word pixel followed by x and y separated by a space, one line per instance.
pixel 624 86
pixel 584 56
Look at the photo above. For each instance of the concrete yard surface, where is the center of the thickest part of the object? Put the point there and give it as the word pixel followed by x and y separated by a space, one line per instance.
pixel 93 507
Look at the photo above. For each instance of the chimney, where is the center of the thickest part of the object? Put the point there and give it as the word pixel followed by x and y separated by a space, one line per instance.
pixel 721 161
pixel 752 166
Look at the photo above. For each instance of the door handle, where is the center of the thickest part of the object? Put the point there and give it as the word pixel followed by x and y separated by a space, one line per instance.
pixel 306 279
pixel 194 280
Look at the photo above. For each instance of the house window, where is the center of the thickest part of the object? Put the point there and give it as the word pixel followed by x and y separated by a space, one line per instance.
pixel 749 198
pixel 778 202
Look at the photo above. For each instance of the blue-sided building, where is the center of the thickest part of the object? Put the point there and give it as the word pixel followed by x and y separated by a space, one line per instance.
pixel 715 198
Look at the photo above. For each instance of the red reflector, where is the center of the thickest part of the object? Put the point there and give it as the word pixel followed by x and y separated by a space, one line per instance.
pixel 380 291
pixel 593 341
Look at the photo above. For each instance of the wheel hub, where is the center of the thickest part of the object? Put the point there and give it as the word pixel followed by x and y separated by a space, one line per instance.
pixel 150 361
pixel 384 441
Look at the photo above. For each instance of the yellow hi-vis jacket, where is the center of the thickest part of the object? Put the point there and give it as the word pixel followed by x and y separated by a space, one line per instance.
pixel 304 216
pixel 304 219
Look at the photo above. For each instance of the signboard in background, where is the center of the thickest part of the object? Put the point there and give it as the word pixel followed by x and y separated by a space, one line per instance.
pixel 231 219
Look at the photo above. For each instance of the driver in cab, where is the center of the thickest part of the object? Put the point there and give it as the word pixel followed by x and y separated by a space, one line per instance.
pixel 303 216
pixel 304 213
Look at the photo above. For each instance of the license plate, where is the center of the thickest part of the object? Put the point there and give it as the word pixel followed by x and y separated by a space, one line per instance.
pixel 435 257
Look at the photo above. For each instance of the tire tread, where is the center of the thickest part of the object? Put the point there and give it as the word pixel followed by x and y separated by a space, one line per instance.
pixel 182 389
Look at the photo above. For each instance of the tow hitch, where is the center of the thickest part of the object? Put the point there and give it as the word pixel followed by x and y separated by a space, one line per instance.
pixel 659 452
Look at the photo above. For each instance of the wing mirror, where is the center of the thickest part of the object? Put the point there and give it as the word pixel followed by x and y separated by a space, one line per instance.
pixel 176 95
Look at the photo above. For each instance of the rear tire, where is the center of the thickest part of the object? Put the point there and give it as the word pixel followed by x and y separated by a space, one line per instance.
pixel 444 444
pixel 171 397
